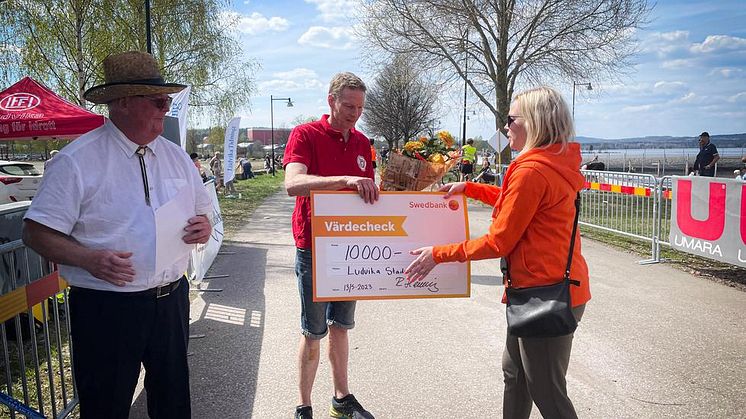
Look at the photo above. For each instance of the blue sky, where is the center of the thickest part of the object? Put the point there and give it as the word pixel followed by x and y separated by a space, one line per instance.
pixel 689 77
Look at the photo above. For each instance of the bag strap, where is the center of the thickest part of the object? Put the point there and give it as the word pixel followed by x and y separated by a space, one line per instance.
pixel 566 277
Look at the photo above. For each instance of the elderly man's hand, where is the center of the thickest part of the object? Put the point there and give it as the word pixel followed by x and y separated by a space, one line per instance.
pixel 110 266
pixel 365 187
pixel 198 230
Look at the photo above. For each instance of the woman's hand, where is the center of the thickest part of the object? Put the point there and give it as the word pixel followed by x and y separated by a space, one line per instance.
pixel 452 189
pixel 422 265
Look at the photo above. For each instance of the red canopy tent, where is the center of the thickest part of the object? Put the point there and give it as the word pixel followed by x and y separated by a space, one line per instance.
pixel 30 111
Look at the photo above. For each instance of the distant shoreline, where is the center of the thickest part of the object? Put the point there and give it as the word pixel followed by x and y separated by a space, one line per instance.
pixel 672 164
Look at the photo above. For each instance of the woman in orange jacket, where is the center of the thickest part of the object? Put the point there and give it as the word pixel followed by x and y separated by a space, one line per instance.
pixel 532 222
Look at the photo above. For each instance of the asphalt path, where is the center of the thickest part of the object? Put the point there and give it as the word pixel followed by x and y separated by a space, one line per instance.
pixel 655 342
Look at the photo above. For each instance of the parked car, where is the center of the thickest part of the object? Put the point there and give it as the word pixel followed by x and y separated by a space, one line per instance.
pixel 18 181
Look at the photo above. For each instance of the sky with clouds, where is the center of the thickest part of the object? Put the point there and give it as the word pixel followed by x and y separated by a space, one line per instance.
pixel 689 77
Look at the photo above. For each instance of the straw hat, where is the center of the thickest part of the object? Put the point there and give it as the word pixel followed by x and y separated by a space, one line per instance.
pixel 131 73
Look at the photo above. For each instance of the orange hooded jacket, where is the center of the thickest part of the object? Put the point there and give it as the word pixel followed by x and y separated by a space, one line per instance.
pixel 532 221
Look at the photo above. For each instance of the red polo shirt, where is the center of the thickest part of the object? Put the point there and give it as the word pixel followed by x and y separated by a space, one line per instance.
pixel 325 153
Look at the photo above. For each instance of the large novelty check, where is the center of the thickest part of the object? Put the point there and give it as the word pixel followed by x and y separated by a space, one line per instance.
pixel 360 250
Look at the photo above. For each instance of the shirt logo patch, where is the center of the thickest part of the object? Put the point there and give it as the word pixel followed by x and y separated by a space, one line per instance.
pixel 361 163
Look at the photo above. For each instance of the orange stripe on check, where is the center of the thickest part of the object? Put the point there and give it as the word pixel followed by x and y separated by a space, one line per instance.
pixel 339 226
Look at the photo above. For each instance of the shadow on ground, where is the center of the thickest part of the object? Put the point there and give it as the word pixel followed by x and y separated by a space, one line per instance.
pixel 224 363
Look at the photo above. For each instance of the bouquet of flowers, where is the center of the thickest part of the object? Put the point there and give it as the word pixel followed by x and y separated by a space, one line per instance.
pixel 420 163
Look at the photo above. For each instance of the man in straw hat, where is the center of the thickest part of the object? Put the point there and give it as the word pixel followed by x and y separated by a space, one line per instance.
pixel 95 214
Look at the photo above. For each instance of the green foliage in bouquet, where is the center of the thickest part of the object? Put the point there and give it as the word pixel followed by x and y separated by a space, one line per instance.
pixel 437 149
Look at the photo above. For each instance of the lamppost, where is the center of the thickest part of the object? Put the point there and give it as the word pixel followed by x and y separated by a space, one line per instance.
pixel 587 86
pixel 272 100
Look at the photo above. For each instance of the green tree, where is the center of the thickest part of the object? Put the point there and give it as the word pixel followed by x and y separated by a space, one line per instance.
pixel 62 43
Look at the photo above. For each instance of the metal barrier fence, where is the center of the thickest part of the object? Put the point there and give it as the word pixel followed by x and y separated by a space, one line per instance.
pixel 630 204
pixel 35 358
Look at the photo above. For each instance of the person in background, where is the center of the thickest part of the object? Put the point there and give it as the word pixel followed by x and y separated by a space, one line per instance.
pixel 486 175
pixel 198 165
pixel 95 215
pixel 468 158
pixel 704 164
pixel 532 224
pixel 246 167
pixel 328 154
pixel 268 163
pixel 216 167
pixel 373 157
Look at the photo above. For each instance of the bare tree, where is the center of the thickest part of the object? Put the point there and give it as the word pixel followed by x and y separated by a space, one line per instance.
pixel 400 105
pixel 495 45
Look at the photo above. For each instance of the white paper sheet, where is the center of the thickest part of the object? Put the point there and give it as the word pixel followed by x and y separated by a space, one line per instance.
pixel 170 220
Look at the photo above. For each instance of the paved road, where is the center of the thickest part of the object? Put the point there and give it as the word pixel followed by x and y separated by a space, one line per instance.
pixel 654 343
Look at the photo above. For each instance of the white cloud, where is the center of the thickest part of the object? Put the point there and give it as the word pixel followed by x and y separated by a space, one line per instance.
pixel 638 108
pixel 334 38
pixel 664 43
pixel 296 73
pixel 335 10
pixel 726 72
pixel 256 23
pixel 740 97
pixel 292 80
pixel 687 98
pixel 678 64
pixel 669 87
pixel 715 43
pixel 10 49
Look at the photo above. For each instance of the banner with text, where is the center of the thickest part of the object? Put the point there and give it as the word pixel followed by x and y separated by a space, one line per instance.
pixel 360 250
pixel 708 218
pixel 179 109
pixel 231 142
pixel 204 254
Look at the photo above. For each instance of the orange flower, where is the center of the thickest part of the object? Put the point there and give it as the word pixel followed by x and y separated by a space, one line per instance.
pixel 413 145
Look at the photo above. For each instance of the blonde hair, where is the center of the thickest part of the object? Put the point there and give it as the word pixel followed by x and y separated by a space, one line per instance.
pixel 340 81
pixel 547 117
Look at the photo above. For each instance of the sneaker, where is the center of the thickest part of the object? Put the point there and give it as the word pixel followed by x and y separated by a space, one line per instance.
pixel 348 408
pixel 303 412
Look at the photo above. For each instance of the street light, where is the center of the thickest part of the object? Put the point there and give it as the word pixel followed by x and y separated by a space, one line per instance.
pixel 272 100
pixel 587 86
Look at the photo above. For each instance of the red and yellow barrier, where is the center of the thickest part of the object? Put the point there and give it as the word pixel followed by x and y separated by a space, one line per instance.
pixel 28 296
pixel 625 190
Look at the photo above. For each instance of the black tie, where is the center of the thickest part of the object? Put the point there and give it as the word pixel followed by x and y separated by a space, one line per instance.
pixel 141 154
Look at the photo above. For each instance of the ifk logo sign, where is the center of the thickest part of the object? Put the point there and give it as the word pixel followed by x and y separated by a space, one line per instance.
pixel 19 102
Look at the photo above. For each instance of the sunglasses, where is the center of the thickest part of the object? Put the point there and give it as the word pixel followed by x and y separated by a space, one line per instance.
pixel 159 102
pixel 512 118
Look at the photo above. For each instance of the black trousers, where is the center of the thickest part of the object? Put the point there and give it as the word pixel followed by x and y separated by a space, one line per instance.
pixel 113 333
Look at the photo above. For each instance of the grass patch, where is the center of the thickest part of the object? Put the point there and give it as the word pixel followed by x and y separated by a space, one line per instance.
pixel 251 194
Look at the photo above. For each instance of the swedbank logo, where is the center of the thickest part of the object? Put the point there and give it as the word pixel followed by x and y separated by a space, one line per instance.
pixel 428 205
pixel 19 102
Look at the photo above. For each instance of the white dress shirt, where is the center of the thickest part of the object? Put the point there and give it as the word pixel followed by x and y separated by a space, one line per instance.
pixel 93 191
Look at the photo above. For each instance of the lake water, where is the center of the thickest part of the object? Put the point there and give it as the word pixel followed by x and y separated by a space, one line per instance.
pixel 662 152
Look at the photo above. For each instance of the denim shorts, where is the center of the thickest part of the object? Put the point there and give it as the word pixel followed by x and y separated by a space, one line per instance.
pixel 316 317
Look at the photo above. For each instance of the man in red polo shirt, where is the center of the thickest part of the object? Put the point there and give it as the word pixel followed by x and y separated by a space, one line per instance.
pixel 328 154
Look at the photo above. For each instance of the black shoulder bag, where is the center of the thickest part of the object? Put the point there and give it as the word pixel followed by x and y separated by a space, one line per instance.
pixel 544 311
